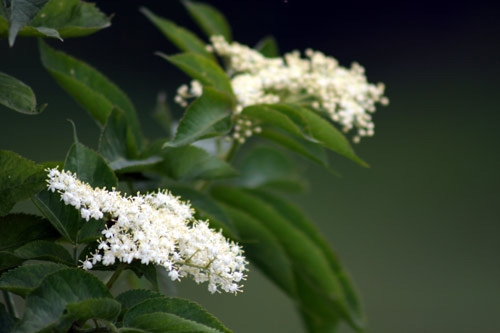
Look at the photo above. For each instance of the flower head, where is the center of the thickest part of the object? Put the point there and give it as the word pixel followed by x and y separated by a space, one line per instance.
pixel 156 228
pixel 317 81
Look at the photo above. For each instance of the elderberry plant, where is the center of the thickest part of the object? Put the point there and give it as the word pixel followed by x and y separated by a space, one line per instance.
pixel 197 213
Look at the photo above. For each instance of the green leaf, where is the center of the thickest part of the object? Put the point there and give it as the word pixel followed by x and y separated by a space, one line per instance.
pixel 118 147
pixel 184 39
pixel 19 229
pixel 116 140
pixel 304 254
pixel 24 279
pixel 131 298
pixel 201 117
pixel 211 21
pixel 9 260
pixel 200 68
pixel 92 90
pixel 267 167
pixel 268 47
pixel 90 167
pixel 300 221
pixel 308 149
pixel 90 231
pixel 178 311
pixel 68 18
pixel 319 129
pixel 264 250
pixel 268 116
pixel 192 163
pixel 66 219
pixel 44 250
pixel 17 96
pixel 20 179
pixel 47 303
pixel 21 13
pixel 94 308
pixel 206 208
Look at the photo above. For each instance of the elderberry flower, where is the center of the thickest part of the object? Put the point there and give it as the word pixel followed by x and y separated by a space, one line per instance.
pixel 156 228
pixel 317 81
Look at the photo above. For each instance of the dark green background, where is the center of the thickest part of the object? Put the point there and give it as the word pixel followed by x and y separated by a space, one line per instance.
pixel 419 230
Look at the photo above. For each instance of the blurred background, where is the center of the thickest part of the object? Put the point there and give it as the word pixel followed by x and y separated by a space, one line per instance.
pixel 419 231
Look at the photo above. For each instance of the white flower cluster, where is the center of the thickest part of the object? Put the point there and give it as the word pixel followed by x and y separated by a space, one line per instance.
pixel 154 228
pixel 316 81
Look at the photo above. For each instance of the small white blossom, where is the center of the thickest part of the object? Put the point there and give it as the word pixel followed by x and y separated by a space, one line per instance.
pixel 316 80
pixel 156 228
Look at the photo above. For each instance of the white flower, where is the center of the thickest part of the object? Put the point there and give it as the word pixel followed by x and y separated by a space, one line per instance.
pixel 155 228
pixel 317 80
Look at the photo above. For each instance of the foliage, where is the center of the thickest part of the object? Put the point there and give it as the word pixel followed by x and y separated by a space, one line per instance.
pixel 41 256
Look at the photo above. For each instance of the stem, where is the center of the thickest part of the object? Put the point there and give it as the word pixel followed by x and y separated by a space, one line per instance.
pixel 75 253
pixel 11 309
pixel 115 276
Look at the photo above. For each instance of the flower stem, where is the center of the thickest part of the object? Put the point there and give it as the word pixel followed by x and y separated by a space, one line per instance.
pixel 115 276
pixel 11 309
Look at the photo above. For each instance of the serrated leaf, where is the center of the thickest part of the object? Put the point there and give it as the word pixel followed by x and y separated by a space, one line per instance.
pixel 19 229
pixel 264 250
pixel 90 167
pixel 21 13
pixel 9 260
pixel 203 69
pixel 308 149
pixel 93 308
pixel 131 298
pixel 22 280
pixel 206 208
pixel 267 167
pixel 319 129
pixel 184 39
pixel 201 117
pixel 90 231
pixel 211 21
pixel 303 253
pixel 19 179
pixel 268 47
pixel 18 96
pixel 180 312
pixel 47 303
pixel 300 221
pixel 92 90
pixel 62 19
pixel 192 163
pixel 44 250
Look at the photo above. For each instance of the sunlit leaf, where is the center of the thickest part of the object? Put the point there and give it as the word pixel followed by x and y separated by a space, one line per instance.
pixel 201 117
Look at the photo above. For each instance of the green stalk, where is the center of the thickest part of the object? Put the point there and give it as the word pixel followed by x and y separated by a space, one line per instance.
pixel 115 276
pixel 11 309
